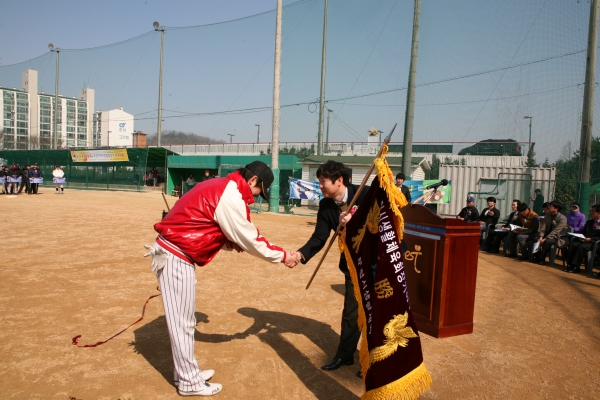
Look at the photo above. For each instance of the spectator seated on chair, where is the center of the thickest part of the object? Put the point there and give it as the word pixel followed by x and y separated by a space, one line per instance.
pixel 575 218
pixel 496 236
pixel 470 212
pixel 525 236
pixel 551 226
pixel 489 216
pixel 580 247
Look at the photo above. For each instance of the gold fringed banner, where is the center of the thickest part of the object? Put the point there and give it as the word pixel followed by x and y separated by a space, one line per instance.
pixel 390 352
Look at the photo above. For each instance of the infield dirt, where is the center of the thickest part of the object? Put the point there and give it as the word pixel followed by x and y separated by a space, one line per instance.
pixel 73 264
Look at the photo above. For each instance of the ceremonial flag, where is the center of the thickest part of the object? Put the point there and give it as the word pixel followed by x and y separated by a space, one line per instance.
pixel 306 190
pixel 390 351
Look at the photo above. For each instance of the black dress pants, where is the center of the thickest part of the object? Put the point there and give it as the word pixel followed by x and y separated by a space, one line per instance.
pixel 350 332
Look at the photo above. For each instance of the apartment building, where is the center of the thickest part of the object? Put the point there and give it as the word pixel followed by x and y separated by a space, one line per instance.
pixel 27 119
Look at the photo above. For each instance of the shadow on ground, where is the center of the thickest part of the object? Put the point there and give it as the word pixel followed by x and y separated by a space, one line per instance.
pixel 152 342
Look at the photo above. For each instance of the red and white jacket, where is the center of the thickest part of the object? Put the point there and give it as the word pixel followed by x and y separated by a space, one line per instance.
pixel 208 216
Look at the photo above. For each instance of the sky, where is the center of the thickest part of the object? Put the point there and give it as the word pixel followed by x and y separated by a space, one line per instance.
pixel 482 67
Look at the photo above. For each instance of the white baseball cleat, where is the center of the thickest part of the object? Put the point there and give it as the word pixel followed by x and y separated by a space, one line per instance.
pixel 209 389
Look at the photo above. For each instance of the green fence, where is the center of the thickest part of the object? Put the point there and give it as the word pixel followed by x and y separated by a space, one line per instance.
pixel 113 175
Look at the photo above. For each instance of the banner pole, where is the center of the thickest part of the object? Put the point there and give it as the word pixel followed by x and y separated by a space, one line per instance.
pixel 354 199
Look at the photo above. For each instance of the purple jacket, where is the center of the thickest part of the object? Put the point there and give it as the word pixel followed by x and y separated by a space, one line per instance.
pixel 576 220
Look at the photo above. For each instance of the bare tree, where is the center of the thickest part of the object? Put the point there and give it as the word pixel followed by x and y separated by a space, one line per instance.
pixel 34 142
pixel 566 153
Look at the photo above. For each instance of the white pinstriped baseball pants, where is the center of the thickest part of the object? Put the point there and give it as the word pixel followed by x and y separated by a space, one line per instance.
pixel 178 287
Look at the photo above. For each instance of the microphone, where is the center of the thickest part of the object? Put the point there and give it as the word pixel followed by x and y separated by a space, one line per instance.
pixel 443 182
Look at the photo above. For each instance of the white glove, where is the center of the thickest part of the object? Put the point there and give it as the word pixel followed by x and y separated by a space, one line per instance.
pixel 159 258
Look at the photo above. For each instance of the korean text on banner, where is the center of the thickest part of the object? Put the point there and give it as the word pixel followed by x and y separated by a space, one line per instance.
pixel 99 155
pixel 391 356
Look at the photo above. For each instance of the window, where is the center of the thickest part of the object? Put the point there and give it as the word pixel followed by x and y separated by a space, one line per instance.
pixel 22 117
pixel 70 142
pixel 24 110
pixel 21 124
pixel 45 119
pixel 45 133
pixel 9 95
pixel 8 108
pixel 81 123
pixel 71 103
pixel 9 130
pixel 82 104
pixel 8 101
pixel 71 109
pixel 81 130
pixel 44 99
pixel 81 137
pixel 71 115
pixel 9 123
pixel 70 129
pixel 22 96
pixel 45 106
pixel 45 112
pixel 71 122
pixel 21 131
pixel 45 127
pixel 70 136
pixel 7 115
pixel 82 117
pixel 82 143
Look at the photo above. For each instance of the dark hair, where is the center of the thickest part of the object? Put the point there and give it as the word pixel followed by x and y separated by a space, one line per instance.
pixel 247 174
pixel 522 207
pixel 400 175
pixel 517 201
pixel 545 205
pixel 555 204
pixel 332 170
pixel 538 190
pixel 491 198
pixel 596 207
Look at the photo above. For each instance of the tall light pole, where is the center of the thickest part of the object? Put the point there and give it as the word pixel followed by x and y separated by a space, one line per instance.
pixel 160 74
pixel 327 137
pixel 322 96
pixel 231 135
pixel 55 138
pixel 258 137
pixel 529 148
pixel 274 190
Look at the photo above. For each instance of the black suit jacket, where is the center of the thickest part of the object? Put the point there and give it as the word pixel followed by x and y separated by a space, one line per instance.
pixel 590 232
pixel 328 219
pixel 406 192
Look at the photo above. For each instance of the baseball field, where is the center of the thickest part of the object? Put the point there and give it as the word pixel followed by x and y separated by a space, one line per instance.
pixel 73 264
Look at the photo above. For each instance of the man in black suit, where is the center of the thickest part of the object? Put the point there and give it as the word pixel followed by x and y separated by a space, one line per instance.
pixel 581 246
pixel 338 192
pixel 400 184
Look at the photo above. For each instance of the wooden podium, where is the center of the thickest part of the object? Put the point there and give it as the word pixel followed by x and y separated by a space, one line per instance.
pixel 440 260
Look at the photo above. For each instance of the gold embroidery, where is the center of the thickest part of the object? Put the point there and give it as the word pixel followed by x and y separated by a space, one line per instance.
pixel 412 255
pixel 397 334
pixel 383 289
pixel 372 223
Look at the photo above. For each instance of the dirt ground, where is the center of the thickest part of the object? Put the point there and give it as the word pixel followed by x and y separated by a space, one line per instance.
pixel 72 264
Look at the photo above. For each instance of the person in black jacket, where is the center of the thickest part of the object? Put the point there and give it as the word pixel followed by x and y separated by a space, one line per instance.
pixel 579 246
pixel 400 177
pixel 35 172
pixel 493 240
pixel 489 216
pixel 470 212
pixel 334 182
pixel 25 180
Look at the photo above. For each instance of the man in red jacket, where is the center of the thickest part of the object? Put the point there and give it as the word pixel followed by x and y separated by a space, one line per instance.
pixel 211 216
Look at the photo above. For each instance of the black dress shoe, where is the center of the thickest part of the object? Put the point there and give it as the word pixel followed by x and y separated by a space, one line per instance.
pixel 569 270
pixel 336 363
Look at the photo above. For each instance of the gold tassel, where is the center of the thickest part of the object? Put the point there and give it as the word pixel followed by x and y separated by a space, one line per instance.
pixel 394 194
pixel 409 387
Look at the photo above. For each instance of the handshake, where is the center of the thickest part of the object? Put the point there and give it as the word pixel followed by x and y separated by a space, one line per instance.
pixel 292 258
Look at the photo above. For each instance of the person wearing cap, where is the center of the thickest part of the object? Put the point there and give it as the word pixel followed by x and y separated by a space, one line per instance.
pixel 488 217
pixel 498 235
pixel 551 226
pixel 338 192
pixel 575 218
pixel 14 173
pixel 35 172
pixel 58 174
pixel 470 212
pixel 213 216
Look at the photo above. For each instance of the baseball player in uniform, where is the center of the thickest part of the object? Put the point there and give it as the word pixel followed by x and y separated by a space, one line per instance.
pixel 211 216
